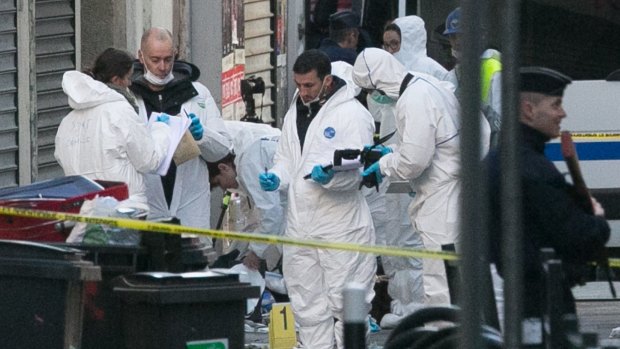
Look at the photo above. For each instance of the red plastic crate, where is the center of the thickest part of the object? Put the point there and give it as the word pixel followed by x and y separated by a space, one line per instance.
pixel 23 228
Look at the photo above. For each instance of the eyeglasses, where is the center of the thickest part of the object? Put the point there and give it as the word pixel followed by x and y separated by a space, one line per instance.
pixel 392 45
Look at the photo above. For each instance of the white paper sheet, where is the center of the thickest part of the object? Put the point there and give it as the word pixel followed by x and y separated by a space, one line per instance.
pixel 178 125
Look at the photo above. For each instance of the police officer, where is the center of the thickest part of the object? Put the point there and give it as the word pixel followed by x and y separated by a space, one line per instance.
pixel 551 215
pixel 343 37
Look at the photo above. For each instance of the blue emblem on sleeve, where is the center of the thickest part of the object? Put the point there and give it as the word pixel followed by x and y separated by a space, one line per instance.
pixel 329 132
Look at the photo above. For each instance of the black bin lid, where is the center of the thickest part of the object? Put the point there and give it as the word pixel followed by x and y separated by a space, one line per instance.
pixel 159 279
pixel 60 188
pixel 33 259
pixel 164 287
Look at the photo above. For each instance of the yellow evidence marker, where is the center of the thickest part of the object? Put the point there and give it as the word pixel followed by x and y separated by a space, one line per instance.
pixel 282 333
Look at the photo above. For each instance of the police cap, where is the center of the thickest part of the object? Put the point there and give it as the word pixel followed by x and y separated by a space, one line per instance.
pixel 543 80
pixel 344 20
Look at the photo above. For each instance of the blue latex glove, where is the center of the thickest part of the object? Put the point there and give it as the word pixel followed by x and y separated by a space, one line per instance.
pixel 268 181
pixel 380 147
pixel 195 127
pixel 163 117
pixel 375 170
pixel 321 176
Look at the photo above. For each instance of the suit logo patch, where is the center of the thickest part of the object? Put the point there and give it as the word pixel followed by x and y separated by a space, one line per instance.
pixel 329 132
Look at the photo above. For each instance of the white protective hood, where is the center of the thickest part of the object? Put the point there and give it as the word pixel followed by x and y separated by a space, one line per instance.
pixel 377 69
pixel 103 137
pixel 85 92
pixel 245 133
pixel 412 53
pixel 344 71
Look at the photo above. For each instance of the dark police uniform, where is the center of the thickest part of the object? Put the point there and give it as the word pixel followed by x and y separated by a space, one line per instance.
pixel 340 21
pixel 551 215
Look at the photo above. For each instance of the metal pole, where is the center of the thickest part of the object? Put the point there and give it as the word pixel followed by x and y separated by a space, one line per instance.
pixel 512 258
pixel 355 316
pixel 472 215
pixel 402 8
pixel 554 329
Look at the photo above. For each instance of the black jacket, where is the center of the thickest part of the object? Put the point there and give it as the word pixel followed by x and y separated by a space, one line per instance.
pixel 551 218
pixel 168 100
pixel 337 53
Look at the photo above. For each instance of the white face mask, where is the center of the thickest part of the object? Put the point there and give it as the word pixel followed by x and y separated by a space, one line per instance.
pixel 156 80
pixel 456 54
pixel 315 99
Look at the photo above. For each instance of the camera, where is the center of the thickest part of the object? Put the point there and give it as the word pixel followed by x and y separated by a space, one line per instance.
pixel 249 87
pixel 347 159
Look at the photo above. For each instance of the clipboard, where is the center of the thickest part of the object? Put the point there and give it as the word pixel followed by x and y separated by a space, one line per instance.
pixel 186 150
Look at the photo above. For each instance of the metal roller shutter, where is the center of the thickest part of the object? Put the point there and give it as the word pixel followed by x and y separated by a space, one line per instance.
pixel 259 57
pixel 55 30
pixel 8 94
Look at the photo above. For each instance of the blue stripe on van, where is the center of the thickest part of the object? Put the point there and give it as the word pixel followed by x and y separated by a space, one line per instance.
pixel 586 151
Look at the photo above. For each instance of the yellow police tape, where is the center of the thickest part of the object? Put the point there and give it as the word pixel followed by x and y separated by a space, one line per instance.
pixel 595 135
pixel 614 262
pixel 149 226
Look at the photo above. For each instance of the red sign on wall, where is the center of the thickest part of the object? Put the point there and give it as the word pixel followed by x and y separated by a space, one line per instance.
pixel 231 85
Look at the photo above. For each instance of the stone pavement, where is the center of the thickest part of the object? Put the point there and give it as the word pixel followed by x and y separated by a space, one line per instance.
pixel 598 312
pixel 261 340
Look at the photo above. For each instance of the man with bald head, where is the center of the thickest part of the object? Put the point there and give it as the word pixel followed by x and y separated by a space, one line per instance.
pixel 164 84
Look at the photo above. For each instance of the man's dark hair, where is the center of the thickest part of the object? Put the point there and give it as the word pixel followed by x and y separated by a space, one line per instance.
pixel 313 60
pixel 340 35
pixel 111 63
pixel 214 170
pixel 393 27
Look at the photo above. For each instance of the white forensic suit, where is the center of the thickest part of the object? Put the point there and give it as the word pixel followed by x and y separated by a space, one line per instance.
pixel 393 228
pixel 255 146
pixel 405 285
pixel 375 199
pixel 103 137
pixel 426 154
pixel 412 53
pixel 191 198
pixel 334 212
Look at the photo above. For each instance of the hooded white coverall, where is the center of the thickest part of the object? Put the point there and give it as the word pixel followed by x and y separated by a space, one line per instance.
pixel 405 286
pixel 335 211
pixel 255 146
pixel 412 53
pixel 103 137
pixel 191 198
pixel 427 154
pixel 393 228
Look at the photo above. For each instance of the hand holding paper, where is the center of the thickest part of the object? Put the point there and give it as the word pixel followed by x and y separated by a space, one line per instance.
pixel 195 127
pixel 163 117
pixel 178 126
